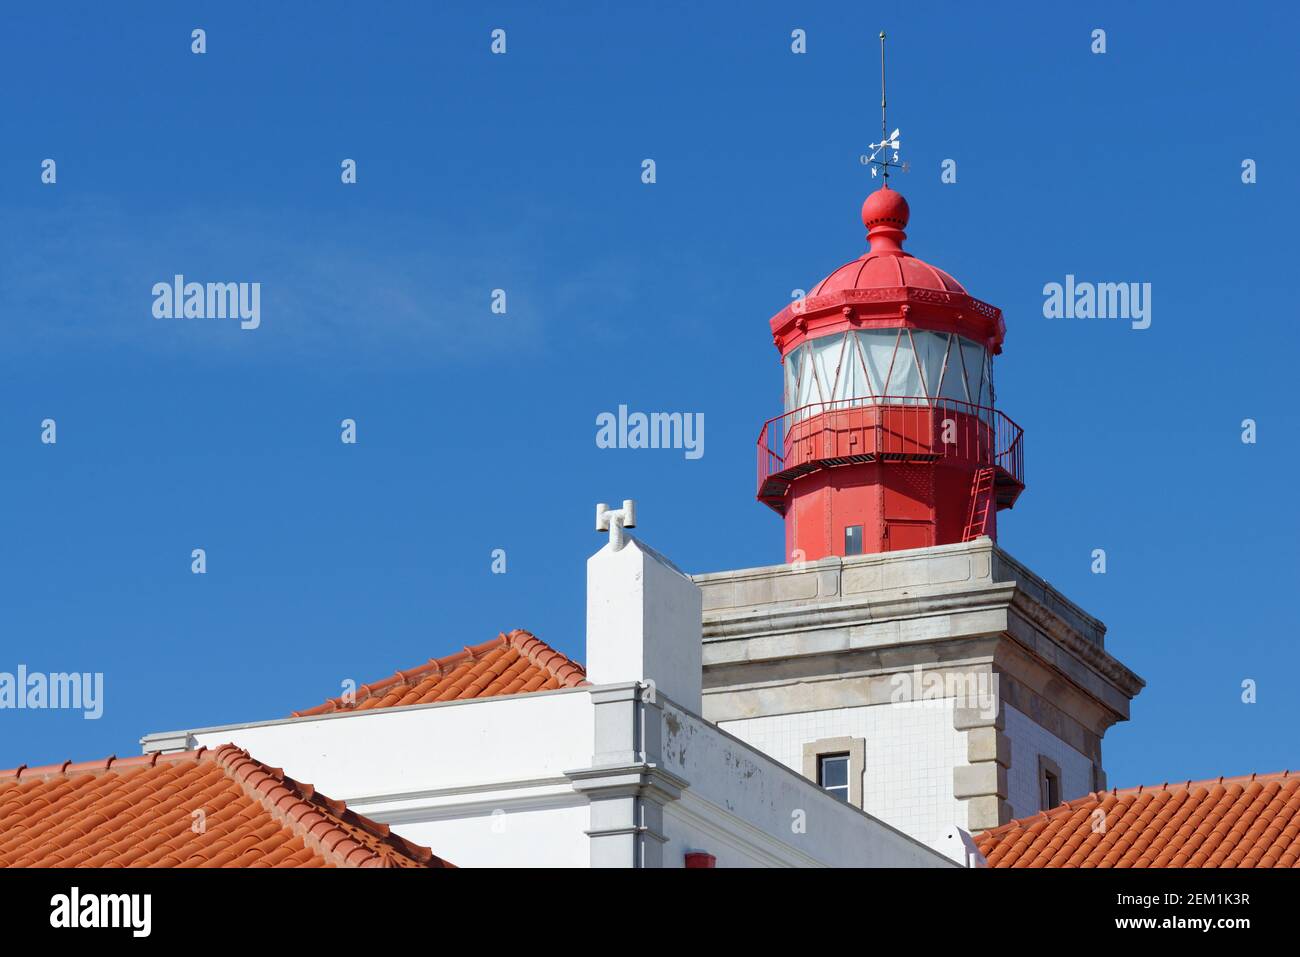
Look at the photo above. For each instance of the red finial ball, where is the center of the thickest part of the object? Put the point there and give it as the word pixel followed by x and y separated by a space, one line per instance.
pixel 885 207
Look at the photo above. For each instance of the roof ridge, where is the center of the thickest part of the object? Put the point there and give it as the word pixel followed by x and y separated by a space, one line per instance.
pixel 112 762
pixel 566 671
pixel 320 821
pixel 1252 778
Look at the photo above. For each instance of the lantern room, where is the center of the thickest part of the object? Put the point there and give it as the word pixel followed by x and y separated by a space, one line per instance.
pixel 889 436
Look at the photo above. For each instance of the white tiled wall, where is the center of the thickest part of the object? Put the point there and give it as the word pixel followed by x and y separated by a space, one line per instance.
pixel 911 751
pixel 1028 741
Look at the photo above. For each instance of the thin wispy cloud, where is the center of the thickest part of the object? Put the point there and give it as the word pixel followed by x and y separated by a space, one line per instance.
pixel 377 289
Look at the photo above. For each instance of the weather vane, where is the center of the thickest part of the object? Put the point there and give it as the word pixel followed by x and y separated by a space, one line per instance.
pixel 884 155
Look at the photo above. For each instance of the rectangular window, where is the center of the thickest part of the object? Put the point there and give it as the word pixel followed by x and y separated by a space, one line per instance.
pixel 853 540
pixel 833 774
pixel 1051 790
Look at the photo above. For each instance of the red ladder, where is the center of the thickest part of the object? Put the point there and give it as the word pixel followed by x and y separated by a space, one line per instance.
pixel 981 502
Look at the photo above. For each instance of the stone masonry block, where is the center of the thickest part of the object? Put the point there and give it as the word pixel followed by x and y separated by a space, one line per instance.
pixel 978 780
pixel 988 744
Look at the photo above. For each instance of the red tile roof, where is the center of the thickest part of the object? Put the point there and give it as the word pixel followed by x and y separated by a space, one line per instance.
pixel 140 812
pixel 508 664
pixel 1251 821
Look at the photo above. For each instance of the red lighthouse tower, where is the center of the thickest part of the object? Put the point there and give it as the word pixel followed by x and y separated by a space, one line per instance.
pixel 889 438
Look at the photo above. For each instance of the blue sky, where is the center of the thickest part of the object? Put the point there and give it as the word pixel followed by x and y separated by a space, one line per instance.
pixel 476 431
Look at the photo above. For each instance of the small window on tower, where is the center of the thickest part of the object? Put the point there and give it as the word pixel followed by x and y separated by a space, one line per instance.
pixel 1049 782
pixel 833 774
pixel 1052 790
pixel 838 765
pixel 853 540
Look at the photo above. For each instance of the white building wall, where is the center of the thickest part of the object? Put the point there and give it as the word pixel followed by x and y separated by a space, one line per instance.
pixel 1028 740
pixel 355 756
pixel 747 810
pixel 911 750
pixel 481 782
pixel 551 836
pixel 489 783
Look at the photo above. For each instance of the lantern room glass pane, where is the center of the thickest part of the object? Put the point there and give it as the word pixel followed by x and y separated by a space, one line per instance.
pixel 973 356
pixel 849 384
pixel 931 350
pixel 808 391
pixel 987 399
pixel 791 394
pixel 954 373
pixel 860 383
pixel 877 347
pixel 857 368
pixel 826 357
pixel 905 377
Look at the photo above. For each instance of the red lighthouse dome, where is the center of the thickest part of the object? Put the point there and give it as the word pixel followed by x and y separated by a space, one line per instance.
pixel 885 265
pixel 889 438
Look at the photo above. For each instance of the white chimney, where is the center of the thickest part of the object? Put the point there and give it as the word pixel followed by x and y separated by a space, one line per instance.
pixel 644 616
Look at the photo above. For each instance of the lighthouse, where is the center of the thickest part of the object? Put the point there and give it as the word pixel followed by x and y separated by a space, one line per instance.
pixel 897 647
pixel 889 437
pixel 898 656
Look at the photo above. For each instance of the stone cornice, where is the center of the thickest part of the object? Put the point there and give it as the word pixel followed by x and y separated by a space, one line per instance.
pixel 1098 658
pixel 770 631
pixel 643 780
pixel 758 621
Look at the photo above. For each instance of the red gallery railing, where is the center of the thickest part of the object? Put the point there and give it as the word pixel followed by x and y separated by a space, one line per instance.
pixel 888 429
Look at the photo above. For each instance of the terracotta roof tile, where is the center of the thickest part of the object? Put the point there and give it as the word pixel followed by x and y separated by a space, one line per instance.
pixel 508 664
pixel 1251 821
pixel 139 812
